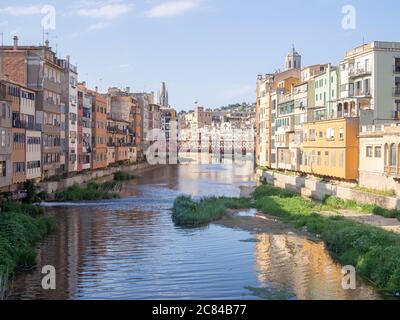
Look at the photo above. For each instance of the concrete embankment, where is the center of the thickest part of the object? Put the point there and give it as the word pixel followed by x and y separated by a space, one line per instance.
pixel 81 179
pixel 316 189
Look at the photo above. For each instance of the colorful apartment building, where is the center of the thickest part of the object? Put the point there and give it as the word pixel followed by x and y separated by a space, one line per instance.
pixel 380 157
pixel 124 108
pixel 6 144
pixel 99 132
pixel 36 68
pixel 330 148
pixel 69 97
pixel 84 128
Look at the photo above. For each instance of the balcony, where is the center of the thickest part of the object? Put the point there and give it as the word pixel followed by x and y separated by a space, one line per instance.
pixel 52 85
pixel 362 93
pixel 359 72
pixel 396 69
pixel 396 91
pixel 50 105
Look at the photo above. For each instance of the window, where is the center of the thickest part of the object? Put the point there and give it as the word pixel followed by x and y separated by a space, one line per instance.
pixel 3 168
pixel 330 134
pixel 369 152
pixel 393 155
pixel 341 159
pixel 386 154
pixel 19 167
pixel 326 158
pixel 341 133
pixel 333 159
pixel 378 152
pixel 319 158
pixel 397 65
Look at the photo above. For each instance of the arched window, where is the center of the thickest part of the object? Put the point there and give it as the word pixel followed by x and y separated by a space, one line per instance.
pixel 393 155
pixel 386 154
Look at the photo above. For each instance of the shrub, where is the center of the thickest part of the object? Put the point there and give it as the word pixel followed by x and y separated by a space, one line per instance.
pixel 21 227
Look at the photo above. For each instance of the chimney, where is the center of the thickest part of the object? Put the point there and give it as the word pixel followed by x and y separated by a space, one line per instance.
pixel 96 89
pixel 47 43
pixel 15 42
pixel 68 58
pixel 128 89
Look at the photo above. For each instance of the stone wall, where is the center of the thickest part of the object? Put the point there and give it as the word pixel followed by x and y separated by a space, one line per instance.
pixel 81 179
pixel 316 189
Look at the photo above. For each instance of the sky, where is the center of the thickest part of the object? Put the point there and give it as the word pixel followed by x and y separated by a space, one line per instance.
pixel 208 51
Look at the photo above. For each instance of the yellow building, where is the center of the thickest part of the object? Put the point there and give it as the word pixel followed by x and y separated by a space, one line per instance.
pixel 331 148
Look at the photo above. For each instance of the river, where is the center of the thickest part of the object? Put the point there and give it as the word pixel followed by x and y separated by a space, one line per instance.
pixel 129 248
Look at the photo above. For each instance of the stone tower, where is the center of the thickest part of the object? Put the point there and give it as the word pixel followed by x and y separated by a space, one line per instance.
pixel 293 60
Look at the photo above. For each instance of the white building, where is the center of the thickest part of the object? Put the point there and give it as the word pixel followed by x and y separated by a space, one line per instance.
pixel 69 97
pixel 370 83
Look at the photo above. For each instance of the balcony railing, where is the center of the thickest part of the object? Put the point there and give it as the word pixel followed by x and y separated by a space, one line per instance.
pixel 396 91
pixel 359 72
pixel 362 93
pixel 392 170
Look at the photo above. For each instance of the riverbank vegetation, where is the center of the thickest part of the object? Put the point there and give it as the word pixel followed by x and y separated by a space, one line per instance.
pixel 21 227
pixel 373 251
pixel 335 203
pixel 189 213
pixel 123 176
pixel 93 191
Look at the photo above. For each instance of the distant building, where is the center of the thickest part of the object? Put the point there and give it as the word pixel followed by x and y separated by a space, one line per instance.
pixel 163 96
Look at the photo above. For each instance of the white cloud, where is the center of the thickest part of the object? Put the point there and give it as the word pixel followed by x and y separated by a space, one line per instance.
pixel 172 8
pixel 108 10
pixel 97 26
pixel 17 11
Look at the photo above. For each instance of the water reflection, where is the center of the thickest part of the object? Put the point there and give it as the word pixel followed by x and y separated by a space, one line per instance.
pixel 129 248
pixel 303 267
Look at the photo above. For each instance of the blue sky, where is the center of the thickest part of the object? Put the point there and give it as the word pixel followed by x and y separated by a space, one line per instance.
pixel 205 50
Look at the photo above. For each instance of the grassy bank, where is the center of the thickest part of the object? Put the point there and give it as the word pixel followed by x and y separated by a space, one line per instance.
pixel 373 251
pixel 92 191
pixel 335 203
pixel 21 227
pixel 190 213
pixel 123 176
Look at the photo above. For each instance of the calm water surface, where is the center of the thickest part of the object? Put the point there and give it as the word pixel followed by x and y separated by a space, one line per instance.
pixel 130 249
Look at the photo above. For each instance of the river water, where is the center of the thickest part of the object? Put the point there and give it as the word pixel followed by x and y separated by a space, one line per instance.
pixel 130 249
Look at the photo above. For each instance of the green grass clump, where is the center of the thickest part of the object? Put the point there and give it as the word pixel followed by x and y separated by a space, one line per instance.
pixel 335 203
pixel 189 213
pixel 123 176
pixel 267 190
pixel 20 230
pixel 92 191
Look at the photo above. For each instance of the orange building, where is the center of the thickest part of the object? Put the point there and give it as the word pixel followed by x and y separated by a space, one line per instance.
pixel 331 147
pixel 99 133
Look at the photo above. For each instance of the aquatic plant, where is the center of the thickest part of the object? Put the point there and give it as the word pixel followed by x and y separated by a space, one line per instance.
pixel 92 191
pixel 187 212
